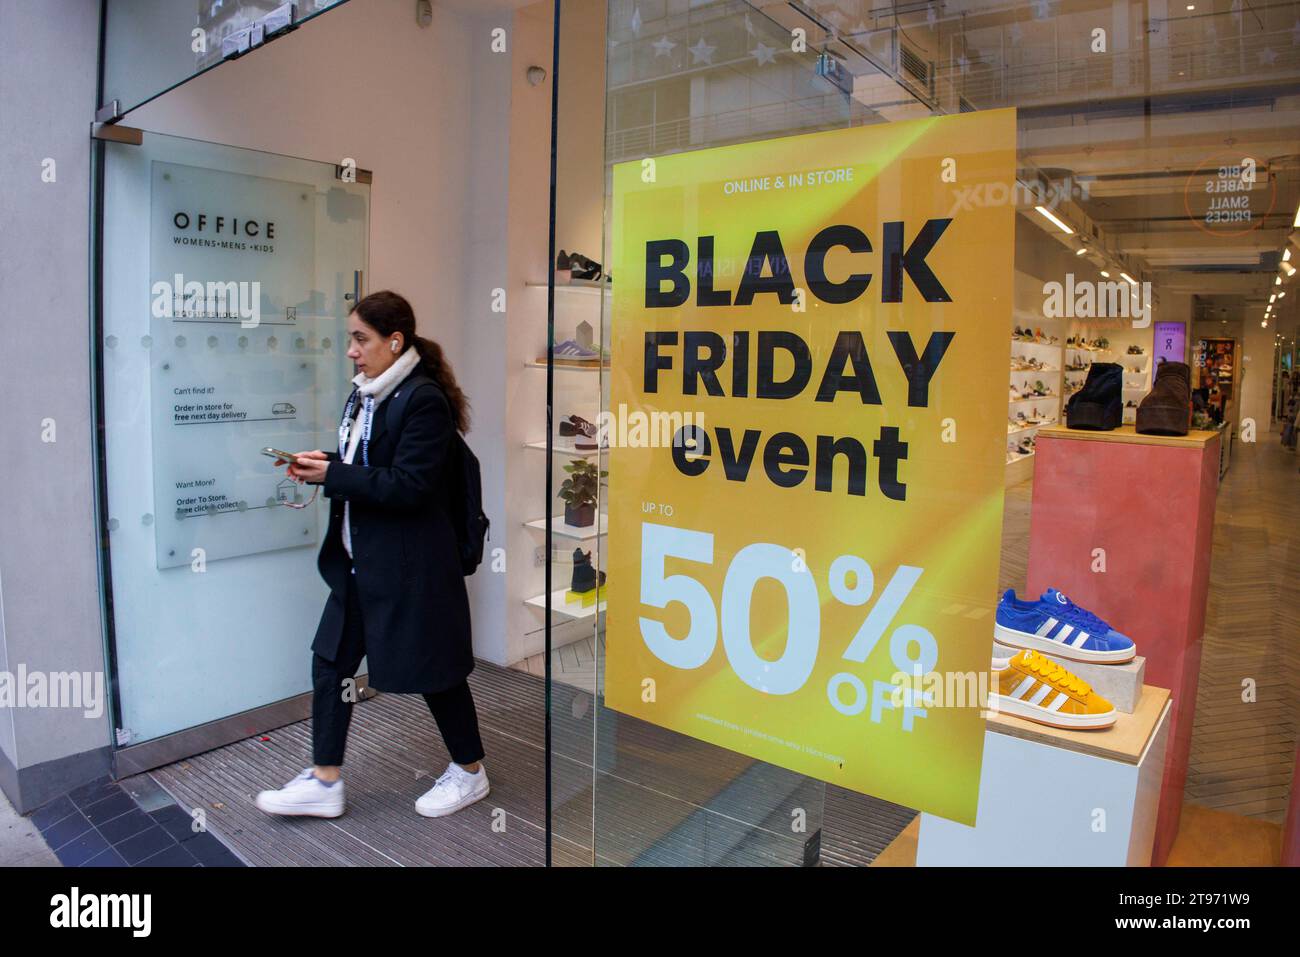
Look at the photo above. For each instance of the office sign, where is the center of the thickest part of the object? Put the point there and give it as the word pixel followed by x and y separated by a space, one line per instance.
pixel 807 573
pixel 235 357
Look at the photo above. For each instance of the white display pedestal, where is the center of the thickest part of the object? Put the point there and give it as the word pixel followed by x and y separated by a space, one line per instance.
pixel 1050 797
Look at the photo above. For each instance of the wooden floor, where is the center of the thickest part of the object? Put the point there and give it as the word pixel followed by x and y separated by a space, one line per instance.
pixel 1015 537
pixel 1209 838
pixel 573 664
pixel 394 754
pixel 1243 751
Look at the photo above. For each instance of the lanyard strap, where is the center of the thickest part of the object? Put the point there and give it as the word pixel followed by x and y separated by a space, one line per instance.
pixel 345 429
pixel 365 435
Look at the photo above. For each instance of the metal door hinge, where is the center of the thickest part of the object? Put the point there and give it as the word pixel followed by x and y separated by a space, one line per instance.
pixel 110 112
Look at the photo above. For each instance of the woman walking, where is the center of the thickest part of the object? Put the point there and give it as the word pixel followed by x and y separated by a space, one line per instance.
pixel 391 559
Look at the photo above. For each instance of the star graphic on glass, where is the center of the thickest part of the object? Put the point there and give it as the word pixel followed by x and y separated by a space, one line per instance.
pixel 702 52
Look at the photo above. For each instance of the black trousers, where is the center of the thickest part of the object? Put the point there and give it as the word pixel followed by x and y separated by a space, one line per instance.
pixel 331 711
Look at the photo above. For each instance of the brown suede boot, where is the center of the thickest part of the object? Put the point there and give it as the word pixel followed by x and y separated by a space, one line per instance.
pixel 1167 409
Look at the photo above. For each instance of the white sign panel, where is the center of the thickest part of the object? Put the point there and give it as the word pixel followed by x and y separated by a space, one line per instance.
pixel 235 360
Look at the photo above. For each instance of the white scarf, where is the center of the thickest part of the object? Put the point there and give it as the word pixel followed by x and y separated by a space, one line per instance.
pixel 371 393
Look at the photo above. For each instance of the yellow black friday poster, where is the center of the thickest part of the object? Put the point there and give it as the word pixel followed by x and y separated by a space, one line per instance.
pixel 821 324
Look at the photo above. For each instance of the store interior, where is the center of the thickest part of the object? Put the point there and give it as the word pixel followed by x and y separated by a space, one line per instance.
pixel 1114 163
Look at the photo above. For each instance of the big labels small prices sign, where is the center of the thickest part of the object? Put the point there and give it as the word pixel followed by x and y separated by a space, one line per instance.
pixel 817 328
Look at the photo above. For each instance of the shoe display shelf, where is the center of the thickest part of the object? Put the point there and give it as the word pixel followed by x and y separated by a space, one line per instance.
pixel 1048 407
pixel 576 391
pixel 579 287
pixel 1051 795
pixel 562 529
pixel 572 367
pixel 563 446
pixel 1136 383
pixel 571 610
pixel 1077 355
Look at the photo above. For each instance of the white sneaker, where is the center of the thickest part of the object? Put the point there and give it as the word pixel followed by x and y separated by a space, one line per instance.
pixel 305 795
pixel 457 788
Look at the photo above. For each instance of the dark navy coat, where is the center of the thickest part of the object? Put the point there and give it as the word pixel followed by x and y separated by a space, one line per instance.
pixel 408 576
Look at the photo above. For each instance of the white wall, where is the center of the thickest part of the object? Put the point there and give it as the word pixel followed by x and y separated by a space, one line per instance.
pixel 50 607
pixel 530 137
pixel 426 110
pixel 580 197
pixel 1256 366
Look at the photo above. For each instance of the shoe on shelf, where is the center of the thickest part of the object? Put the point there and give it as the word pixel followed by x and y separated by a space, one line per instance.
pixel 456 788
pixel 304 796
pixel 584 269
pixel 582 432
pixel 1167 408
pixel 1038 689
pixel 1098 405
pixel 1057 626
pixel 585 577
pixel 570 350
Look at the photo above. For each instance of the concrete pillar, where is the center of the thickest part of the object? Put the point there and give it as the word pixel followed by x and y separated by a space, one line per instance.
pixel 49 578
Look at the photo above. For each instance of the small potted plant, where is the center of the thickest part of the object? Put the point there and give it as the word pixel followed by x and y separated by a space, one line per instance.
pixel 579 492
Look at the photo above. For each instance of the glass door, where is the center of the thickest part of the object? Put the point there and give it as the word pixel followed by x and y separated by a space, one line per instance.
pixel 226 276
pixel 658 771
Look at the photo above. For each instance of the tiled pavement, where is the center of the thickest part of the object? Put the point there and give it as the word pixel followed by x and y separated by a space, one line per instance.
pixel 102 825
pixel 21 844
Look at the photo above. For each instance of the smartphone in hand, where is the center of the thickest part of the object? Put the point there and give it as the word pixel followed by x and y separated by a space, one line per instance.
pixel 277 454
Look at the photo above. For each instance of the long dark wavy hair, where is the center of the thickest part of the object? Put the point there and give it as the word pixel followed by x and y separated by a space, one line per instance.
pixel 386 312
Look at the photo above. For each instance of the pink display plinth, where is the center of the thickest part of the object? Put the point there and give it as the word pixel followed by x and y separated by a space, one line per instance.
pixel 1148 503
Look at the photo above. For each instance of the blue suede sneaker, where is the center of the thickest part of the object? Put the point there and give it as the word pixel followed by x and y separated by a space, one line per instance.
pixel 1059 628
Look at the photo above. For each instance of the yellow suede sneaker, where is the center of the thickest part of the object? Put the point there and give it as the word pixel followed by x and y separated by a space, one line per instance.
pixel 1036 688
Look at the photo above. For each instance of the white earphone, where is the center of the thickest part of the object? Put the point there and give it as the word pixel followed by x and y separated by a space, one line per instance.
pixel 393 345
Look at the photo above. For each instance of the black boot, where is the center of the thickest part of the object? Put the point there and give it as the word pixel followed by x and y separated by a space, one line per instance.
pixel 1167 409
pixel 585 577
pixel 1099 404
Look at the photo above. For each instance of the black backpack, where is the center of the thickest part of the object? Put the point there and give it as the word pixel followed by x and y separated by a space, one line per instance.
pixel 464 486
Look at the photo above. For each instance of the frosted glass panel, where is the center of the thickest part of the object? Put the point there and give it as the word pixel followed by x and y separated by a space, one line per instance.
pixel 227 274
